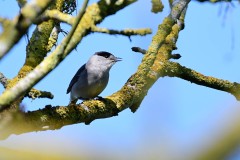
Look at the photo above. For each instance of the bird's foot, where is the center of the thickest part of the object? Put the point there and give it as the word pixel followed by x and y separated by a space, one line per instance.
pixel 99 98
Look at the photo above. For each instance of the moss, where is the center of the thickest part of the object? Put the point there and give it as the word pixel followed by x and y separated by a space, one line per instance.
pixel 157 6
pixel 62 112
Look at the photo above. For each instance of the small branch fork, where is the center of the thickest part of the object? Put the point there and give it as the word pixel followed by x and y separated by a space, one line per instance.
pixel 33 93
pixel 66 18
pixel 173 69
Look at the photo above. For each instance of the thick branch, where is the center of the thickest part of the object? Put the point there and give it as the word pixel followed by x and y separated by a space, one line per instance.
pixel 176 70
pixel 94 14
pixel 51 118
pixel 163 43
pixel 13 32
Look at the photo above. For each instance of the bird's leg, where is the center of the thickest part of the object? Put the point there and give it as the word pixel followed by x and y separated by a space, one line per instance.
pixel 73 102
pixel 99 98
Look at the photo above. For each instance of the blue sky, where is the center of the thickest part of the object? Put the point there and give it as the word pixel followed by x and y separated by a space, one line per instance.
pixel 175 117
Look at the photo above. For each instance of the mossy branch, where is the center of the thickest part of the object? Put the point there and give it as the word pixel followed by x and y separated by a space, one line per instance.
pixel 33 93
pixel 41 70
pixel 36 51
pixel 13 32
pixel 56 15
pixel 93 15
pixel 129 96
pixel 125 32
pixel 173 69
pixel 157 6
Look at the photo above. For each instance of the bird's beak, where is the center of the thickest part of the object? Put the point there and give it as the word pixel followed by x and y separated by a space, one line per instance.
pixel 117 59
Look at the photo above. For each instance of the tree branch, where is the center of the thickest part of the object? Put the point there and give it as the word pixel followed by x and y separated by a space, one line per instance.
pixel 163 43
pixel 157 6
pixel 51 118
pixel 128 96
pixel 33 93
pixel 138 49
pixel 3 80
pixel 125 32
pixel 13 32
pixel 94 14
pixel 174 69
pixel 41 70
pixel 56 15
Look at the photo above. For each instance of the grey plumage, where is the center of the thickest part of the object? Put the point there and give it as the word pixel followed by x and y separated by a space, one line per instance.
pixel 92 78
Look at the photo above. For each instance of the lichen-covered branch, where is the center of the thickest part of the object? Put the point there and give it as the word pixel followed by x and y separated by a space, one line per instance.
pixel 128 96
pixel 13 32
pixel 51 118
pixel 36 50
pixel 52 40
pixel 56 15
pixel 159 51
pixel 93 15
pixel 40 71
pixel 157 6
pixel 33 93
pixel 125 32
pixel 173 69
pixel 138 49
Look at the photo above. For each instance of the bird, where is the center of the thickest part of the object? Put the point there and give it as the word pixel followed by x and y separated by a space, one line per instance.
pixel 92 77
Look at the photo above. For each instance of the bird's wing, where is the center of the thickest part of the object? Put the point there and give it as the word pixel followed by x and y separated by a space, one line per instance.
pixel 75 78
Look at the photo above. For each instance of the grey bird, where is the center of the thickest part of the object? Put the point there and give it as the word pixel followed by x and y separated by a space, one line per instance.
pixel 92 78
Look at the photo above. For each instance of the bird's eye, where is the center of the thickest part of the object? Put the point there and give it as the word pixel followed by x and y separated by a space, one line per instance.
pixel 104 54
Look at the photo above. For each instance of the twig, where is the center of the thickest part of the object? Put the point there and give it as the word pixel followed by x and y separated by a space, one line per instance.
pixel 3 80
pixel 33 93
pixel 125 32
pixel 138 49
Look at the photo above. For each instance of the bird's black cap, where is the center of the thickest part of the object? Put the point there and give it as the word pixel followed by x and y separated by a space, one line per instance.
pixel 103 54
